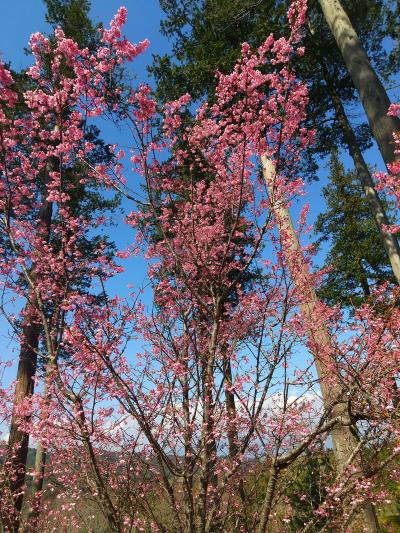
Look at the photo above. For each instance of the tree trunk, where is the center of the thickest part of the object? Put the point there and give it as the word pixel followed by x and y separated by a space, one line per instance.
pixel 389 240
pixel 268 500
pixel 38 481
pixel 372 93
pixel 364 282
pixel 208 477
pixel 40 457
pixel 230 409
pixel 233 445
pixel 18 441
pixel 40 465
pixel 344 441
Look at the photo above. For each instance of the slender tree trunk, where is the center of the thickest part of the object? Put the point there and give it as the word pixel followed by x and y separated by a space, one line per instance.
pixel 268 500
pixel 364 282
pixel 40 457
pixel 372 93
pixel 232 430
pixel 230 409
pixel 18 441
pixel 107 506
pixel 389 240
pixel 38 482
pixel 40 466
pixel 344 441
pixel 208 476
pixel 188 477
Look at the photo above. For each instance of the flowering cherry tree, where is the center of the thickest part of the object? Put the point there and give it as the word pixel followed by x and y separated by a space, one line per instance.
pixel 41 260
pixel 206 427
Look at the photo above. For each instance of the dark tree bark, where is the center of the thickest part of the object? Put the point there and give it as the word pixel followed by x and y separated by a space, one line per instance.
pixel 18 441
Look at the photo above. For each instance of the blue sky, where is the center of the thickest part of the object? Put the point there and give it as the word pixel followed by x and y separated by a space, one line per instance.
pixel 20 18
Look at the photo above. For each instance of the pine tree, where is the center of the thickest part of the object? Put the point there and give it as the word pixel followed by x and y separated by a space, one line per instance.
pixel 73 17
pixel 356 257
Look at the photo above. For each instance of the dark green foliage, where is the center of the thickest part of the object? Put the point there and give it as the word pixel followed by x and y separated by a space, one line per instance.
pixel 306 492
pixel 73 17
pixel 206 36
pixel 357 257
pixel 393 25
